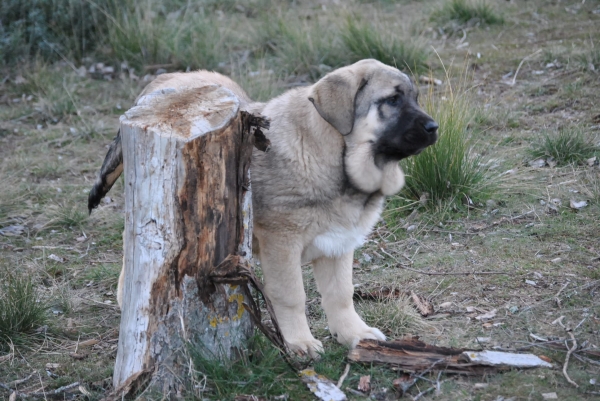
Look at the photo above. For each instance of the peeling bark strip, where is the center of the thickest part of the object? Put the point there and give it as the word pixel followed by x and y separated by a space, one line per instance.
pixel 187 208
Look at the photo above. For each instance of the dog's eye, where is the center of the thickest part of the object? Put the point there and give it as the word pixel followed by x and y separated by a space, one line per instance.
pixel 393 100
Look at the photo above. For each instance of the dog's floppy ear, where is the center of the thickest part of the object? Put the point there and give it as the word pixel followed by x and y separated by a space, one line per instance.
pixel 334 95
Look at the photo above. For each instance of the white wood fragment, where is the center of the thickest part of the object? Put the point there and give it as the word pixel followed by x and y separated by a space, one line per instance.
pixel 489 315
pixel 550 396
pixel 497 358
pixel 323 388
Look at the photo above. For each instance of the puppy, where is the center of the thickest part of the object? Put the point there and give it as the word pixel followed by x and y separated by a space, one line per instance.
pixel 318 192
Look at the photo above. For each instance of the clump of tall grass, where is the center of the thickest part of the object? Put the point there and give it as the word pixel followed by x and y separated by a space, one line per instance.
pixel 142 35
pixel 302 48
pixel 448 173
pixel 363 40
pixel 21 310
pixel 467 11
pixel 49 28
pixel 590 59
pixel 569 145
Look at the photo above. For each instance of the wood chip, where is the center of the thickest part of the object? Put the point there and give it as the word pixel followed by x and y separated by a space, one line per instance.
pixel 423 306
pixel 89 343
pixel 487 316
pixel 364 384
pixel 323 388
pixel 550 396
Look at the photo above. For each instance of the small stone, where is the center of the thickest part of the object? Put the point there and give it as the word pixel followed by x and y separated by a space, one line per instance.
pixel 479 386
pixel 530 282
pixel 576 205
pixel 538 163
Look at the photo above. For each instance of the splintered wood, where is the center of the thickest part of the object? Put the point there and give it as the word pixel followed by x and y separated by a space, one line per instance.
pixel 411 355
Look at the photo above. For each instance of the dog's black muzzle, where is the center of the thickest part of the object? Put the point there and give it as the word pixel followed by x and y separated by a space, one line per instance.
pixel 409 136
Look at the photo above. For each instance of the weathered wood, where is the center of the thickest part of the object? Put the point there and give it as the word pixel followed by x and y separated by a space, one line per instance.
pixel 187 208
pixel 412 355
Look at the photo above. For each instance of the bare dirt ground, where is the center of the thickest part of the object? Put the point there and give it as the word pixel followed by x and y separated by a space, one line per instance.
pixel 526 254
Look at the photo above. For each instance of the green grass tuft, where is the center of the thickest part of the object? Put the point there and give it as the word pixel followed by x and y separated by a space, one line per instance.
pixel 302 49
pixel 68 217
pixel 364 41
pixel 447 174
pixel 21 310
pixel 260 371
pixel 467 11
pixel 51 29
pixel 568 146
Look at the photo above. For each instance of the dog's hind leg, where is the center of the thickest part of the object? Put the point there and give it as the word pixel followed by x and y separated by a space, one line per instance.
pixel 280 262
pixel 334 281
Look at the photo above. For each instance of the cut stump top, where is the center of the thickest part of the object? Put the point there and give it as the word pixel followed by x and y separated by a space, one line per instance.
pixel 185 113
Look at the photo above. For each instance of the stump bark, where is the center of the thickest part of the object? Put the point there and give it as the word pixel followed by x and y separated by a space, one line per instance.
pixel 187 208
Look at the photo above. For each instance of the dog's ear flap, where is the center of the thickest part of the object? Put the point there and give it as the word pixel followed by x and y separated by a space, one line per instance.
pixel 333 97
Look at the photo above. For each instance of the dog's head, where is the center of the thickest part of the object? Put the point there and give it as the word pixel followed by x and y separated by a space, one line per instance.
pixel 372 102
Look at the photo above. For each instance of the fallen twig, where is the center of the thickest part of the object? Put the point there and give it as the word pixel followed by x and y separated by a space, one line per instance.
pixel 514 80
pixel 422 393
pixel 43 394
pixel 343 376
pixel 558 293
pixel 450 273
pixel 567 359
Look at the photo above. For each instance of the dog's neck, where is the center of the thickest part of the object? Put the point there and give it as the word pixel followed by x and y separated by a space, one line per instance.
pixel 362 170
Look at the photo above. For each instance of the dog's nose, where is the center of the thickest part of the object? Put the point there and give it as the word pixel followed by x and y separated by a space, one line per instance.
pixel 431 127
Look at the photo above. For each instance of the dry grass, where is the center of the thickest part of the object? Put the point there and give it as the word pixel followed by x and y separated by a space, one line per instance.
pixel 54 129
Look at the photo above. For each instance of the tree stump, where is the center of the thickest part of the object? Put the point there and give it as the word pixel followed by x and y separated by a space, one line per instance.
pixel 187 208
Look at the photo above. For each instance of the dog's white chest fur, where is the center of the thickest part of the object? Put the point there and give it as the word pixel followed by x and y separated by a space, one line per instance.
pixel 340 240
pixel 340 236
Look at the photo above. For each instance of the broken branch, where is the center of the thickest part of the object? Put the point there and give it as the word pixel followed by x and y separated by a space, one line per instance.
pixel 573 348
pixel 450 273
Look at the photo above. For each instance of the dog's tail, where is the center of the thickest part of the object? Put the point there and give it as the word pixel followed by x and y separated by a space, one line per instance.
pixel 110 171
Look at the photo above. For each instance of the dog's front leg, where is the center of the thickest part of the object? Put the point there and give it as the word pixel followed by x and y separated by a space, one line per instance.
pixel 281 266
pixel 334 281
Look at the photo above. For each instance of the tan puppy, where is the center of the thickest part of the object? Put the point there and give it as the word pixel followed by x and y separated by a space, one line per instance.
pixel 319 191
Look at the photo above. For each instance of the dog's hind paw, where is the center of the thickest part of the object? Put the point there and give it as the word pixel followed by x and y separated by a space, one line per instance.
pixel 372 333
pixel 351 334
pixel 312 348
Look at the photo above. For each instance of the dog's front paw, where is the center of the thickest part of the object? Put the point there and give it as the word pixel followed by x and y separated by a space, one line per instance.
pixel 303 347
pixel 351 331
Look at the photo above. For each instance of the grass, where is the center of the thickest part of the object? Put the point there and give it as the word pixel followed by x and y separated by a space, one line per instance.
pixel 260 371
pixel 569 145
pixel 448 174
pixel 364 41
pixel 22 310
pixel 467 11
pixel 54 129
pixel 306 49
pixel 395 317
